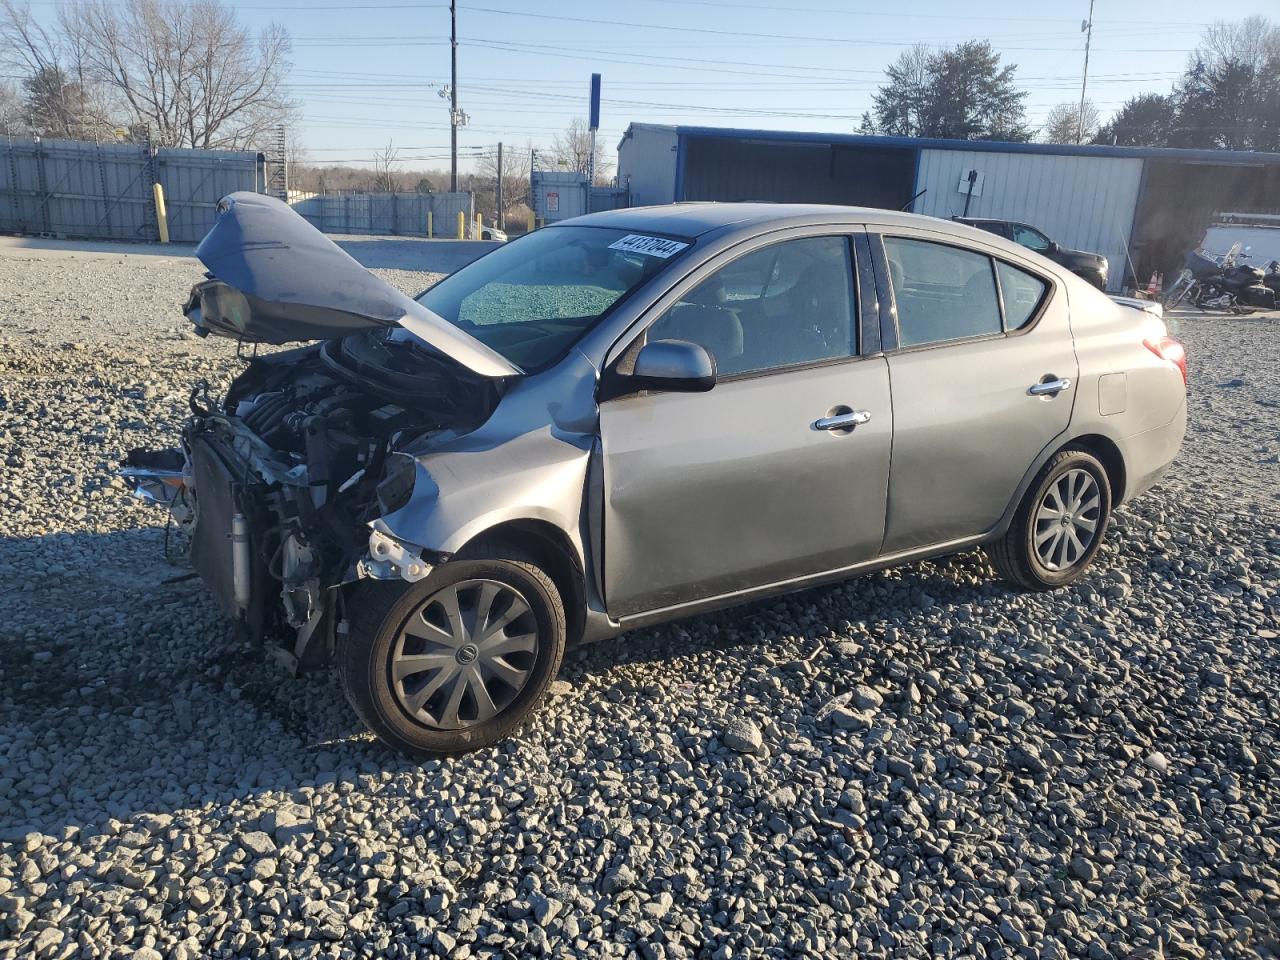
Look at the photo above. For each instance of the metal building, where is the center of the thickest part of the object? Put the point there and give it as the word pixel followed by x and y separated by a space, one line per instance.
pixel 1142 208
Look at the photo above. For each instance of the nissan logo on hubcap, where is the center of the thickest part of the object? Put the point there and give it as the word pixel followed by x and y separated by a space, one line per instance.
pixel 468 653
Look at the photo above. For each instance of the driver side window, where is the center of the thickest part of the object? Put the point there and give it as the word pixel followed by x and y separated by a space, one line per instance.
pixel 786 304
pixel 1029 238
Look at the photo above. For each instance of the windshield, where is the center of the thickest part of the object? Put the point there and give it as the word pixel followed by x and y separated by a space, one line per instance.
pixel 533 298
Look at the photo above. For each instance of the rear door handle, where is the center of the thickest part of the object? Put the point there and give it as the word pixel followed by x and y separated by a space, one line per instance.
pixel 1048 388
pixel 844 421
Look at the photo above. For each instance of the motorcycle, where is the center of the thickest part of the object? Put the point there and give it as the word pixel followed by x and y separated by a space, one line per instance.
pixel 1209 282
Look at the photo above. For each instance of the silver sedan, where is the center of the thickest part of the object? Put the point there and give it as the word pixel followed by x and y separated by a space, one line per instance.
pixel 636 416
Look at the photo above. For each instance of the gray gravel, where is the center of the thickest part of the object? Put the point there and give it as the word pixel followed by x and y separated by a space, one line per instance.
pixel 915 763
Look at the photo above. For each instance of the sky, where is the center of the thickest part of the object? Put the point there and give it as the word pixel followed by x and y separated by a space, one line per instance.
pixel 369 72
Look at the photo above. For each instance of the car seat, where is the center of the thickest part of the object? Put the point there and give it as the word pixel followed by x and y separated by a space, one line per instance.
pixel 716 328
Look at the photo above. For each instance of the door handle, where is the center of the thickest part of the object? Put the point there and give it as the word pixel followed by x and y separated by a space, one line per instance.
pixel 1047 388
pixel 843 421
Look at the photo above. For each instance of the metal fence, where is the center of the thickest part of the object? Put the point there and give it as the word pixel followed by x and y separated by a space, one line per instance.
pixel 394 214
pixel 103 191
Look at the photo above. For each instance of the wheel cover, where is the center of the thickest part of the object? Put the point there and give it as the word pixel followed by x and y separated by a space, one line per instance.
pixel 464 654
pixel 1067 520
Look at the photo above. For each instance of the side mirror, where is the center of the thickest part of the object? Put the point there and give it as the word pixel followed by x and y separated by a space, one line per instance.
pixel 1053 246
pixel 673 366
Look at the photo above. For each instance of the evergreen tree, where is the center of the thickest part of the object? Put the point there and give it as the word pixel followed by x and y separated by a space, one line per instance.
pixel 961 93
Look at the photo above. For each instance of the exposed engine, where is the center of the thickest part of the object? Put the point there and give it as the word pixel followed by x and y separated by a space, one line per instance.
pixel 298 459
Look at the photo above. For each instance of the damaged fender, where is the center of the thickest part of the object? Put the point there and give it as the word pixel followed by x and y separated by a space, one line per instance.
pixel 528 462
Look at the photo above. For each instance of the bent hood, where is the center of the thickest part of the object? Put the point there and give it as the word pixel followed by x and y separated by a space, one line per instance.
pixel 274 278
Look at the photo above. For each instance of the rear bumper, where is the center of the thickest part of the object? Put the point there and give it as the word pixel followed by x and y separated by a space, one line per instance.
pixel 1148 455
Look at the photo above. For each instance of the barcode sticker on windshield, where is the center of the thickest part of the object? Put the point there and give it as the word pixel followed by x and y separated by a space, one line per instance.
pixel 649 246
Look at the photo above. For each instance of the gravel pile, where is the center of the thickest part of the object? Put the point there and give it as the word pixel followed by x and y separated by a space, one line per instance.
pixel 914 763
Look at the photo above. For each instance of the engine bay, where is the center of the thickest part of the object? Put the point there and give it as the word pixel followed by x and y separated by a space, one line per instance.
pixel 283 476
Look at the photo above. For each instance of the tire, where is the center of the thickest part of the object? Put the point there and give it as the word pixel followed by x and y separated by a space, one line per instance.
pixel 378 645
pixel 1015 555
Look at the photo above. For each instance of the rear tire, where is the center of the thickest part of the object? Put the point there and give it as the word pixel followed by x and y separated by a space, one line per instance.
pixel 1058 527
pixel 466 627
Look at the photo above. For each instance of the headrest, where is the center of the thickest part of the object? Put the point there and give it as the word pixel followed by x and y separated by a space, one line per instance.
pixel 717 329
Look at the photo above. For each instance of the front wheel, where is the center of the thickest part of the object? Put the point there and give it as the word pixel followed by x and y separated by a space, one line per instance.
pixel 1180 290
pixel 1058 528
pixel 456 661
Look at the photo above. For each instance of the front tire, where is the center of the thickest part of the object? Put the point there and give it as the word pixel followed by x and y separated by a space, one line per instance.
pixel 457 661
pixel 1059 525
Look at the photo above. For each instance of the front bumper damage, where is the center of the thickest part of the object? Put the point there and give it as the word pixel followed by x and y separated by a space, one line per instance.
pixel 241 507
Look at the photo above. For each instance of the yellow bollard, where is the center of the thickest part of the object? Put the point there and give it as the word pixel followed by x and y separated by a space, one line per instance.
pixel 479 234
pixel 430 234
pixel 462 225
pixel 162 218
pixel 531 221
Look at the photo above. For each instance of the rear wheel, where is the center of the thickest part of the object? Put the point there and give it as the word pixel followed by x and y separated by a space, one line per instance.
pixel 456 661
pixel 1059 526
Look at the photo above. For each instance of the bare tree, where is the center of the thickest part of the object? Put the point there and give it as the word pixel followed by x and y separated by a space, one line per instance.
pixel 571 150
pixel 59 99
pixel 385 178
pixel 187 71
pixel 1062 125
pixel 10 110
pixel 1253 42
pixel 515 181
pixel 899 106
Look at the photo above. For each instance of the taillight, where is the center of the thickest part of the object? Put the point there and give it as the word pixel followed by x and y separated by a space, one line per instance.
pixel 1172 350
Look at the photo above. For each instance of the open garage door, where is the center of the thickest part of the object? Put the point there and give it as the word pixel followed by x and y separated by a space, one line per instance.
pixel 1179 200
pixel 719 168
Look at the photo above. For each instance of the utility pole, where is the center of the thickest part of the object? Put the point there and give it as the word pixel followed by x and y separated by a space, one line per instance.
pixel 502 216
pixel 453 95
pixel 1087 29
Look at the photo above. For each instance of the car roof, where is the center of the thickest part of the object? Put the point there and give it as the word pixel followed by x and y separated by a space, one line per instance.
pixel 696 219
pixel 731 220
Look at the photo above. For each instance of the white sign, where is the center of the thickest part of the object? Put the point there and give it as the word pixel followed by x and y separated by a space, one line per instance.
pixel 553 202
pixel 978 179
pixel 659 247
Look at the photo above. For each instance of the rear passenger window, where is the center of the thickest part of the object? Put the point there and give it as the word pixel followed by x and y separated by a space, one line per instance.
pixel 782 305
pixel 1022 293
pixel 942 293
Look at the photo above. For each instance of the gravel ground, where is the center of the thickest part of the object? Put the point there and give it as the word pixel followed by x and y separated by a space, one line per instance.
pixel 915 763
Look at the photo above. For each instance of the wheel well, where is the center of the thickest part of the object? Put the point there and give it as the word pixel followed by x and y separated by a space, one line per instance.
pixel 1111 458
pixel 552 550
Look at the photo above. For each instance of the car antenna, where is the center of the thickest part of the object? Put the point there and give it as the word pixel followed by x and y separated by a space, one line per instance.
pixel 907 206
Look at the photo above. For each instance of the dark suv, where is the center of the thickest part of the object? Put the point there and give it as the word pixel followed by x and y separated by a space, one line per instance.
pixel 1090 266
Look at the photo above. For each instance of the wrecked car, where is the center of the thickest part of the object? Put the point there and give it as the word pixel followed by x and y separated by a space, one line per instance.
pixel 631 417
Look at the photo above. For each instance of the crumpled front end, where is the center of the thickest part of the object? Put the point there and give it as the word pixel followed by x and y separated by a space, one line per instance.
pixel 279 486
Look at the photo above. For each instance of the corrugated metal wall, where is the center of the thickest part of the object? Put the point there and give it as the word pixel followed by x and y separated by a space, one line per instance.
pixel 720 168
pixel 195 180
pixel 558 194
pixel 103 190
pixel 647 163
pixel 1086 203
pixel 392 214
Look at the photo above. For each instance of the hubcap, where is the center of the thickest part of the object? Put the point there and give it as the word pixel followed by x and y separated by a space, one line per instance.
pixel 1067 520
pixel 464 655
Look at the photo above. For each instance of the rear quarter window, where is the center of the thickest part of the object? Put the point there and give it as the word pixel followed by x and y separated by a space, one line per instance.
pixel 1022 293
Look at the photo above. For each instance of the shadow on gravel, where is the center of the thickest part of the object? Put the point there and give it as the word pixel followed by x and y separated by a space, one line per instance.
pixel 127 692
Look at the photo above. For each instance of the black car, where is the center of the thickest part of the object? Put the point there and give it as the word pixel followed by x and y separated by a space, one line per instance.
pixel 1090 266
